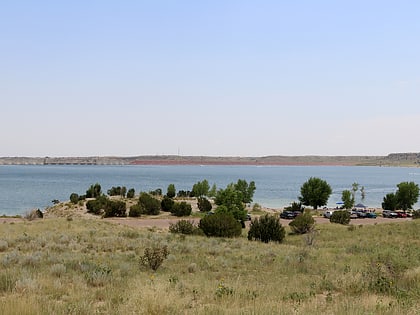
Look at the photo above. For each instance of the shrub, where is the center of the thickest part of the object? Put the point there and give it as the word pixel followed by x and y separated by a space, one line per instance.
pixel 341 217
pixel 171 192
pixel 266 228
pixel 149 204
pixel 204 204
pixel 302 224
pixel 131 192
pixel 181 209
pixel 295 206
pixel 74 198
pixel 167 204
pixel 117 191
pixel 97 205
pixel 182 227
pixel 220 225
pixel 3 245
pixel 97 276
pixel 115 208
pixel 154 257
pixel 135 211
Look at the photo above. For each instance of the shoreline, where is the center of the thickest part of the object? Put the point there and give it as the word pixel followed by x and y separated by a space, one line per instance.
pixel 392 159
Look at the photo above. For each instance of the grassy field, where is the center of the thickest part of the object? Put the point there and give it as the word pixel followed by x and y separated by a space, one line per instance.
pixel 88 266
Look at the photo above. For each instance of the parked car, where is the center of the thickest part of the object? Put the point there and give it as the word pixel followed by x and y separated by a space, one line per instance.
pixel 361 214
pixel 389 214
pixel 401 214
pixel 290 215
pixel 353 215
pixel 328 213
pixel 371 215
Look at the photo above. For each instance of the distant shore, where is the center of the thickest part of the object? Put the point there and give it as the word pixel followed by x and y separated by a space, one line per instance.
pixel 393 159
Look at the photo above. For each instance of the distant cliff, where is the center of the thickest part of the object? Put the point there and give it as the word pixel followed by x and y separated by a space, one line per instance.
pixel 393 159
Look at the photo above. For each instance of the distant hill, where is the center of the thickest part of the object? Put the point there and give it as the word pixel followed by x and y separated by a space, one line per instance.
pixel 393 159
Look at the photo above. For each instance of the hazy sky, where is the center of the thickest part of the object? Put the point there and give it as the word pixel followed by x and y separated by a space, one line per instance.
pixel 241 78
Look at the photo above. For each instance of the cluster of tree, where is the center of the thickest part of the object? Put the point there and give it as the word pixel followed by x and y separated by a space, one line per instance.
pixel 147 204
pixel 102 205
pixel 404 198
pixel 315 193
pixel 348 197
pixel 117 191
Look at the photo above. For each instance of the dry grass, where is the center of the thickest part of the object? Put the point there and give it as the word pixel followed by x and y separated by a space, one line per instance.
pixel 57 266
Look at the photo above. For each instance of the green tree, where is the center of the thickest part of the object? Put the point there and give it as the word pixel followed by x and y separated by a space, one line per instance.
pixel 94 191
pixel 315 192
pixel 123 191
pixel 363 193
pixel 247 190
pixel 171 191
pixel 131 192
pixel 390 202
pixel 213 191
pixel 200 189
pixel 229 200
pixel 407 195
pixel 167 204
pixel 74 198
pixel 354 188
pixel 348 199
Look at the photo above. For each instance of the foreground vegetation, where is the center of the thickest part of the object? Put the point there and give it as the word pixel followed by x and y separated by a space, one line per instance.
pixel 88 266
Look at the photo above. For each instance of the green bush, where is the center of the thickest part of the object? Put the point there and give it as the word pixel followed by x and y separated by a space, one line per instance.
pixel 266 228
pixel 302 224
pixel 149 204
pixel 181 209
pixel 341 217
pixel 167 204
pixel 204 204
pixel 135 211
pixel 115 208
pixel 74 198
pixel 131 192
pixel 220 225
pixel 182 227
pixel 295 206
pixel 117 191
pixel 97 205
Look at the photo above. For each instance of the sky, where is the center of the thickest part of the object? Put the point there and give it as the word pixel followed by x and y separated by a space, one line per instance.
pixel 217 78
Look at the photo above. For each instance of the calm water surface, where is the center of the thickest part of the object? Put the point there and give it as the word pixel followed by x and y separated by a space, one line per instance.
pixel 26 187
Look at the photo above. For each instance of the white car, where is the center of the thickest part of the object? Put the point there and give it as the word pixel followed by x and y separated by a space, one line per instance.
pixel 328 213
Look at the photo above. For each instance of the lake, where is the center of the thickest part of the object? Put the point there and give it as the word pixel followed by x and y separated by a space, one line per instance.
pixel 25 187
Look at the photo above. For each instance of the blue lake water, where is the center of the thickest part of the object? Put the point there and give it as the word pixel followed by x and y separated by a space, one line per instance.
pixel 27 187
